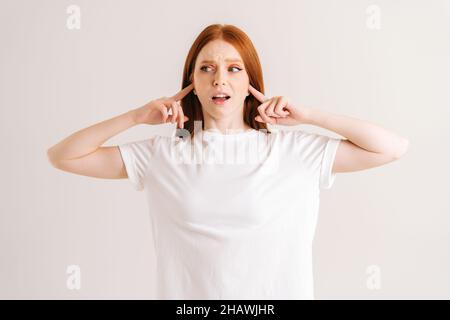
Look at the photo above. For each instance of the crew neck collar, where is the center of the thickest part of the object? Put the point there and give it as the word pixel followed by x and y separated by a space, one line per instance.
pixel 232 133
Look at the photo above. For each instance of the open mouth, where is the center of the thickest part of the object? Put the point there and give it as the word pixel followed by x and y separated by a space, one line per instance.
pixel 221 99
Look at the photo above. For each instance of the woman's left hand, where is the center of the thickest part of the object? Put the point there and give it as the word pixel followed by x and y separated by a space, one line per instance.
pixel 278 110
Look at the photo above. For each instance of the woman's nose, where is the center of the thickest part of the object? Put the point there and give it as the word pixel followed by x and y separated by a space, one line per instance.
pixel 217 82
pixel 219 78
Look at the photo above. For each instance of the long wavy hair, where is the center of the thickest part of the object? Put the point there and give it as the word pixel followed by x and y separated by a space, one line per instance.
pixel 191 105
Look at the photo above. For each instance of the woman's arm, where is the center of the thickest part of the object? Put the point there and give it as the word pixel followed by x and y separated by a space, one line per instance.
pixel 368 145
pixel 81 152
pixel 89 139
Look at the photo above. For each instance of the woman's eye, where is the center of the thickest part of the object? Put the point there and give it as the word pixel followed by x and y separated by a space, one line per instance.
pixel 202 68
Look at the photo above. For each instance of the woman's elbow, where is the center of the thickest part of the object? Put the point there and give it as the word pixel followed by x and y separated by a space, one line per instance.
pixel 402 149
pixel 52 158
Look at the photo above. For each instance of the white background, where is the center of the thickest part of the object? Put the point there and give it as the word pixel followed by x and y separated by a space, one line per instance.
pixel 324 54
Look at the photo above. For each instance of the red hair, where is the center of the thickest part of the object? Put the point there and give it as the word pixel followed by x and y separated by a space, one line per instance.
pixel 241 42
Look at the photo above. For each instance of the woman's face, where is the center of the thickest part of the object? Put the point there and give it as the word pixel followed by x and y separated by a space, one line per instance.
pixel 219 68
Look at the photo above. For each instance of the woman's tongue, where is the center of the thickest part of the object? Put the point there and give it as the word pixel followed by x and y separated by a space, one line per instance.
pixel 221 99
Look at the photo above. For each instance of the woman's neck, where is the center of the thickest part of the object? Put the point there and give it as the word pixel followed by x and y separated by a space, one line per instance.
pixel 224 128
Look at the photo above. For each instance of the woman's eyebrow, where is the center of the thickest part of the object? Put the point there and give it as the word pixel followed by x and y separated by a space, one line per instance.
pixel 228 60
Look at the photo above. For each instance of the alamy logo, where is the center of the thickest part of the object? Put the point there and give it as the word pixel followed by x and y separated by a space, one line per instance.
pixel 74 18
pixel 74 279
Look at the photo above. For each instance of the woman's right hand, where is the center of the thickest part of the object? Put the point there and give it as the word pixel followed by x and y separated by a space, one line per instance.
pixel 156 111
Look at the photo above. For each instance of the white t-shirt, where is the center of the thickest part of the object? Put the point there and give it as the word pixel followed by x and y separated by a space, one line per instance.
pixel 233 215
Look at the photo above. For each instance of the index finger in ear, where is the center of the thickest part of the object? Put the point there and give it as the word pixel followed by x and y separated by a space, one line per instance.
pixel 182 93
pixel 258 95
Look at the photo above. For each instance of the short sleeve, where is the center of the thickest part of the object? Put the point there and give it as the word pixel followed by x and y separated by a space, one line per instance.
pixel 327 177
pixel 136 157
pixel 317 153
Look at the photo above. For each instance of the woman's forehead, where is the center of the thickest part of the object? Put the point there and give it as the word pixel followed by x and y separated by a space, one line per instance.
pixel 216 51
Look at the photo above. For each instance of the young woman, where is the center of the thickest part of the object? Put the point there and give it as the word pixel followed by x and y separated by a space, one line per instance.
pixel 240 225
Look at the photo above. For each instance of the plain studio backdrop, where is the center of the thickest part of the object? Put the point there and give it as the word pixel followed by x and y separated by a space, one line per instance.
pixel 383 233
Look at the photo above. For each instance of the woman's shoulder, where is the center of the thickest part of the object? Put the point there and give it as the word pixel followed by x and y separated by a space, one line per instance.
pixel 296 134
